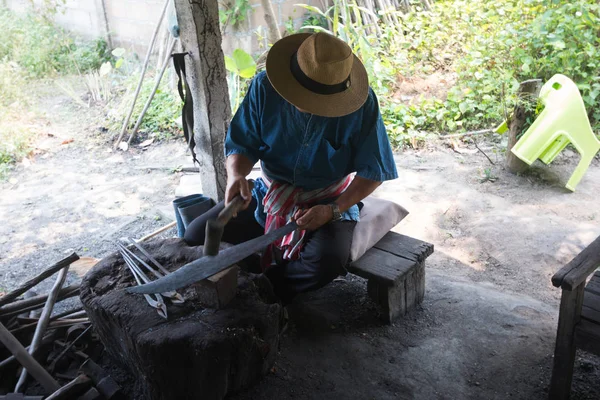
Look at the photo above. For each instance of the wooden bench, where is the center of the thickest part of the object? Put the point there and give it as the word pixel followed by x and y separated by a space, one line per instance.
pixel 395 269
pixel 579 316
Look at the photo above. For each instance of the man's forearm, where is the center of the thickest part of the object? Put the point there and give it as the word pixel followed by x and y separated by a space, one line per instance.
pixel 358 190
pixel 238 165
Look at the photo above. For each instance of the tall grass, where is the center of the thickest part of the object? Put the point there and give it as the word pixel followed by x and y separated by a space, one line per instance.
pixel 32 48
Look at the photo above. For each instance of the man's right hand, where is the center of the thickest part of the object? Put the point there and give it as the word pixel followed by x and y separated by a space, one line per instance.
pixel 238 185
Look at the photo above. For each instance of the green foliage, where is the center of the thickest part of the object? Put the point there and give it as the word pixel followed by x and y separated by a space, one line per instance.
pixel 31 47
pixel 314 19
pixel 563 39
pixel 234 12
pixel 42 49
pixel 241 63
pixel 242 67
pixel 14 142
pixel 15 136
pixel 488 46
pixel 163 118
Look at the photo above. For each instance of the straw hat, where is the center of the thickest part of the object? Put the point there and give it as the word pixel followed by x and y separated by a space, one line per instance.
pixel 318 74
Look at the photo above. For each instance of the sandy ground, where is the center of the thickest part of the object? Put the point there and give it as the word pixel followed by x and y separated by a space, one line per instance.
pixel 485 330
pixel 78 195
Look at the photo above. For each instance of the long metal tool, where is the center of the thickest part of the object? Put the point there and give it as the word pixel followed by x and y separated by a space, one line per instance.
pixel 175 297
pixel 207 266
pixel 139 276
pixel 149 256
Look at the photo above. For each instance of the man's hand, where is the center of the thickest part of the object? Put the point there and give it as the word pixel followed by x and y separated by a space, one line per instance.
pixel 238 167
pixel 313 218
pixel 238 185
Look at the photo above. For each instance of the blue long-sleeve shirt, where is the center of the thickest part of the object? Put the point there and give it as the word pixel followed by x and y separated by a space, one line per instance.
pixel 306 150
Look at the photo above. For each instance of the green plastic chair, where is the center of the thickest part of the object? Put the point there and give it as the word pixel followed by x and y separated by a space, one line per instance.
pixel 563 120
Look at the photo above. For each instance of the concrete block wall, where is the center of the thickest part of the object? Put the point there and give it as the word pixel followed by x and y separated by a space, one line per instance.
pixel 132 22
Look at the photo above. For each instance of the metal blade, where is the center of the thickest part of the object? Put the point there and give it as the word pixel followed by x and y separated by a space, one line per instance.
pixel 207 266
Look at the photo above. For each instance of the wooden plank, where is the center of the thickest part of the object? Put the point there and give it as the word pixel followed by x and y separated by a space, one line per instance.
pixel 564 352
pixel 410 290
pixel 27 361
pixel 594 284
pixel 376 265
pixel 420 281
pixel 588 336
pixel 404 246
pixel 579 268
pixel 391 299
pixel 590 314
pixel 591 300
pixel 7 298
pixel 382 266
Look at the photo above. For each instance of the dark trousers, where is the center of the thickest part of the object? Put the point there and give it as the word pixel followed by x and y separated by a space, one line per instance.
pixel 324 256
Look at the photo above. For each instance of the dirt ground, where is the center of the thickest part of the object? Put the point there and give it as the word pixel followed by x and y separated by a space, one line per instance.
pixel 485 330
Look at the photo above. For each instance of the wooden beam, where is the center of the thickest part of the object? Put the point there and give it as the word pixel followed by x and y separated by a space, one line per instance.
pixel 36 302
pixel 34 281
pixel 205 69
pixel 564 352
pixel 27 361
pixel 43 322
pixel 576 271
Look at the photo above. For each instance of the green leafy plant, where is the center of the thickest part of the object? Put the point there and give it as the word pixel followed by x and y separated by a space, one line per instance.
pixel 233 13
pixel 242 66
pixel 163 118
pixel 43 49
pixel 289 26
pixel 314 19
pixel 488 176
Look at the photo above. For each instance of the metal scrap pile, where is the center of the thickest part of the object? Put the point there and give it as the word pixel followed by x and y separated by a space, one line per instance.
pixel 51 354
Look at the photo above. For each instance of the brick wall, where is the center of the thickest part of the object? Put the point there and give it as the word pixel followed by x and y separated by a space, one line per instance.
pixel 132 22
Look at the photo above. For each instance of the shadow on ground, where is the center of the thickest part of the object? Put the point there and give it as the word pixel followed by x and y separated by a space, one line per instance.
pixel 467 341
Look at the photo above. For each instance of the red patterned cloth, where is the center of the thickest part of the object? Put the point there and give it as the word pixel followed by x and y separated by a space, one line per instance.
pixel 282 201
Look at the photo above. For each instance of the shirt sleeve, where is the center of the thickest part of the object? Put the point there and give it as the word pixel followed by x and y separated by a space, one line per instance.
pixel 374 158
pixel 244 136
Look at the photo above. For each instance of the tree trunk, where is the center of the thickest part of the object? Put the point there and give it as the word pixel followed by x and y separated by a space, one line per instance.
pixel 274 33
pixel 528 90
pixel 201 37
pixel 198 352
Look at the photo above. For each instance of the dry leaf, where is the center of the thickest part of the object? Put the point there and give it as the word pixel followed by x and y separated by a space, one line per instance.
pixel 67 141
pixel 83 265
pixel 146 143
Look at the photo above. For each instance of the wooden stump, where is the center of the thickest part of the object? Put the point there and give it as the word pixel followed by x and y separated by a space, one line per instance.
pixel 528 91
pixel 197 352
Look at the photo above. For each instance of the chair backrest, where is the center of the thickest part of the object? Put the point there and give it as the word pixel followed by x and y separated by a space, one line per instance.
pixel 561 92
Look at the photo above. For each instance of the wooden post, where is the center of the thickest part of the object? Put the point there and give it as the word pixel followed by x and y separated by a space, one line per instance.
pixel 270 19
pixel 564 352
pixel 205 67
pixel 527 91
pixel 27 361
pixel 106 25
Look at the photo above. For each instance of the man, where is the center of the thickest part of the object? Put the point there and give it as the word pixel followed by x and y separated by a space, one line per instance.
pixel 315 125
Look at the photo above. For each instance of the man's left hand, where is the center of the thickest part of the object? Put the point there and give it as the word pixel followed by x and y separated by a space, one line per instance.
pixel 313 218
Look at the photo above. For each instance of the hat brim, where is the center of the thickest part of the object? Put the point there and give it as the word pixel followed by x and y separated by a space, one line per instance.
pixel 332 105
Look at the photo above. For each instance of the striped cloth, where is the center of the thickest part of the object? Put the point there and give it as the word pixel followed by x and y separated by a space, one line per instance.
pixel 280 204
